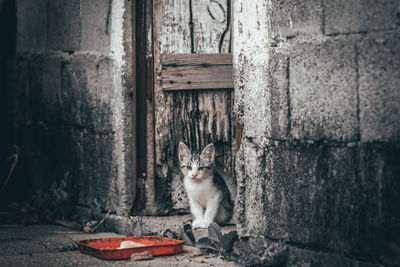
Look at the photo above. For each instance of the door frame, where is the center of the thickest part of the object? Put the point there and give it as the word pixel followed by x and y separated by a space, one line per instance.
pixel 144 183
pixel 143 126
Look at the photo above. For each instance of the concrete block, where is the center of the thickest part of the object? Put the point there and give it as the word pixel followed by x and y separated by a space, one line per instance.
pixel 379 70
pixel 307 257
pixel 340 198
pixel 239 78
pixel 18 101
pixel 53 102
pixel 31 25
pixel 239 213
pixel 254 220
pixel 64 25
pixel 360 15
pixel 255 96
pixel 86 92
pixel 97 169
pixel 278 86
pixel 323 91
pixel 96 25
pixel 290 194
pixel 35 84
pixel 251 26
pixel 49 88
pixel 337 200
pixel 100 94
pixel 379 172
pixel 65 166
pixel 265 92
pixel 291 18
pixel 311 195
pixel 48 168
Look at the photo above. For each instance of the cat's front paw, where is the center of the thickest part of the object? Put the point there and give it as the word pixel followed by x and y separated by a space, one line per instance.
pixel 197 224
pixel 206 223
pixel 200 224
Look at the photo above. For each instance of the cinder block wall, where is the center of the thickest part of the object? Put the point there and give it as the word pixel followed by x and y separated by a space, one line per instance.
pixel 69 82
pixel 317 91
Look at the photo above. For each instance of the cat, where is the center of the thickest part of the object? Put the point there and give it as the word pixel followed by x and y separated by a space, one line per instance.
pixel 208 195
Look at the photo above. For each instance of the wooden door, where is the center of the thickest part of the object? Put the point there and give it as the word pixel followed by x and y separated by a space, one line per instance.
pixel 192 98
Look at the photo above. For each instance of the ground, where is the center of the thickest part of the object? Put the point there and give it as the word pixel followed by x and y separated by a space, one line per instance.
pixel 51 245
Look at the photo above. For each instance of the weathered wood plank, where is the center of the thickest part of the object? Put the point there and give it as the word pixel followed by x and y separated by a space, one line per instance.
pixel 195 59
pixel 171 35
pixel 192 71
pixel 174 18
pixel 197 77
pixel 149 175
pixel 209 25
pixel 199 86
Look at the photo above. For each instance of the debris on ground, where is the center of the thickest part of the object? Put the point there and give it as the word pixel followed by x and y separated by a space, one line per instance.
pixel 19 213
pixel 216 242
pixel 69 224
pixel 89 226
pixel 92 226
pixel 142 256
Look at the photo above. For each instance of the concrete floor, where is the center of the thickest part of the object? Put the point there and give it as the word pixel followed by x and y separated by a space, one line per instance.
pixel 50 245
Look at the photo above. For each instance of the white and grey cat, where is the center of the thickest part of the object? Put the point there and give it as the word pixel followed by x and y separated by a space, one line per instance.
pixel 208 194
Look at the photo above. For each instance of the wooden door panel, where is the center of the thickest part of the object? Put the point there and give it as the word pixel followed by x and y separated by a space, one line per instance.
pixel 196 117
pixel 211 23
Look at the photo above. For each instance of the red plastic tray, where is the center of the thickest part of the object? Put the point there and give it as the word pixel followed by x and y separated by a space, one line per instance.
pixel 109 248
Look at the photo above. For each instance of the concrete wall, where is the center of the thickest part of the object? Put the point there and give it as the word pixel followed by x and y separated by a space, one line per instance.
pixel 7 47
pixel 70 81
pixel 317 92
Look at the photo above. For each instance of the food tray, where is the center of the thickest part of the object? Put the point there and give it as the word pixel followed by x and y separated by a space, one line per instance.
pixel 110 248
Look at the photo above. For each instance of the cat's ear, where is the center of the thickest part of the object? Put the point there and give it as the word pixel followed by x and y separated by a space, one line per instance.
pixel 208 154
pixel 183 151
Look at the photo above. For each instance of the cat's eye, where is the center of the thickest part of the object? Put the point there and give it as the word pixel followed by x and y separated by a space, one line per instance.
pixel 188 167
pixel 203 168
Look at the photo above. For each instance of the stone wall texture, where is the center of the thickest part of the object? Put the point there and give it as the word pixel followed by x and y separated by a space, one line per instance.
pixel 317 92
pixel 69 85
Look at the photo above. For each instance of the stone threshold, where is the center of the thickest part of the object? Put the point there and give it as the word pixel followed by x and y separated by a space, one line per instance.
pixel 168 226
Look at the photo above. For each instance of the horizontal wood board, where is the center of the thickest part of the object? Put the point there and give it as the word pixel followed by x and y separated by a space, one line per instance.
pixel 196 59
pixel 196 71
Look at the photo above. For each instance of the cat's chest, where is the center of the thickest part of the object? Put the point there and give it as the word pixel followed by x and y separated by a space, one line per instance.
pixel 200 192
